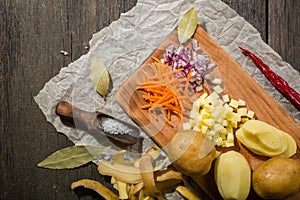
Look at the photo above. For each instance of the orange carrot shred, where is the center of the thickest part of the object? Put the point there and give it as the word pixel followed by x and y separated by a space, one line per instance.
pixel 155 59
pixel 164 91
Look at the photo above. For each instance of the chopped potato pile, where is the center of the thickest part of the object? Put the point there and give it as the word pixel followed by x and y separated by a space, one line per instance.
pixel 138 179
pixel 217 117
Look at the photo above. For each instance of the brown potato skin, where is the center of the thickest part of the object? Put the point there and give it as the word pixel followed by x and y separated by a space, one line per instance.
pixel 277 178
pixel 184 150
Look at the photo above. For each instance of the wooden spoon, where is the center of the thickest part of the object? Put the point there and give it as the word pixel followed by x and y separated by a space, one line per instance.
pixel 100 123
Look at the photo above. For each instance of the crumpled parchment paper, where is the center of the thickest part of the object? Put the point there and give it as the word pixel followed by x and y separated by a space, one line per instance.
pixel 127 42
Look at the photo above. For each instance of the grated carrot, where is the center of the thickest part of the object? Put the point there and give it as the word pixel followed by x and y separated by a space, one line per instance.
pixel 164 93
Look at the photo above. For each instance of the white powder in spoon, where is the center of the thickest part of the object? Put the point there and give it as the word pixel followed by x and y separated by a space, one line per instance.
pixel 114 127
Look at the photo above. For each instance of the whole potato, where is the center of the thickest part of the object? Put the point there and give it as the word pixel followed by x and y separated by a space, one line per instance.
pixel 190 153
pixel 277 178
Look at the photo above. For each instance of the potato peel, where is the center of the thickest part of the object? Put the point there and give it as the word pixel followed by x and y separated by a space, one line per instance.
pixel 122 189
pixel 118 158
pixel 147 173
pixel 137 180
pixel 135 189
pixel 186 193
pixel 168 174
pixel 154 152
pixel 125 173
pixel 97 187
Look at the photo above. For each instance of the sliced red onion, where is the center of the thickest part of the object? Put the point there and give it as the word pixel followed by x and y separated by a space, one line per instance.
pixel 189 59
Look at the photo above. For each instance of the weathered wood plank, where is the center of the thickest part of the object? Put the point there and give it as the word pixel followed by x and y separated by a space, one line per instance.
pixel 284 29
pixel 253 11
pixel 32 34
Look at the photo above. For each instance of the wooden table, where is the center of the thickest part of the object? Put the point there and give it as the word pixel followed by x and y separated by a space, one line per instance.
pixel 33 33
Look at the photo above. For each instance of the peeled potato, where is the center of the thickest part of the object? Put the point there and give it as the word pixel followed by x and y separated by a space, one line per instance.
pixel 264 139
pixel 233 175
pixel 187 155
pixel 277 178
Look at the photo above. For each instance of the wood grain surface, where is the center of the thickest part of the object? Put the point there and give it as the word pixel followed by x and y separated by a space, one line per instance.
pixel 32 34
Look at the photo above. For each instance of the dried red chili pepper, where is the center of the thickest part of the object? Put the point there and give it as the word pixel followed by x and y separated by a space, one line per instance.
pixel 275 79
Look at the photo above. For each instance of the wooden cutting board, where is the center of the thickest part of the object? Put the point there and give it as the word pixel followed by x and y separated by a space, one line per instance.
pixel 237 83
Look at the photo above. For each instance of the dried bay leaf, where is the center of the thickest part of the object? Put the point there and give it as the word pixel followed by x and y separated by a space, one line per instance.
pixel 99 76
pixel 187 25
pixel 71 157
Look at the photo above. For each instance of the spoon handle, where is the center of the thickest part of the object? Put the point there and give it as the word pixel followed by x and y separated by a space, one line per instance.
pixel 92 121
pixel 86 119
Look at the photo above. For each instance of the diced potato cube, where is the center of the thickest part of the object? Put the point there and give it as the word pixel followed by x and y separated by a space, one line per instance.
pixel 236 117
pixel 234 103
pixel 226 98
pixel 214 97
pixel 219 112
pixel 230 137
pixel 209 122
pixel 196 105
pixel 203 96
pixel 219 141
pixel 204 129
pixel 223 130
pixel 244 119
pixel 228 108
pixel 205 115
pixel 218 128
pixel 220 120
pixel 207 101
pixel 229 130
pixel 195 128
pixel 250 114
pixel 193 114
pixel 211 133
pixel 234 124
pixel 229 115
pixel 229 144
pixel 223 136
pixel 217 103
pixel 186 126
pixel 197 121
pixel 209 108
pixel 225 123
pixel 242 111
pixel 218 89
pixel 242 102
pixel 192 122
